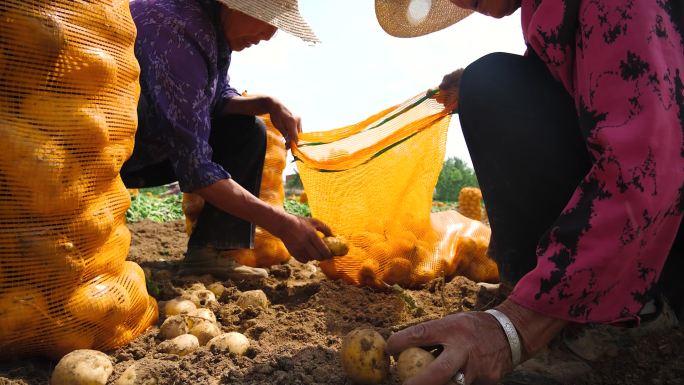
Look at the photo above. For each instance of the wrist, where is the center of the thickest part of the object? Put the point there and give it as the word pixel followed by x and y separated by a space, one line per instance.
pixel 534 329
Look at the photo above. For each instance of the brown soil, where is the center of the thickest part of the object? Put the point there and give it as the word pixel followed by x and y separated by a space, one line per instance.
pixel 296 339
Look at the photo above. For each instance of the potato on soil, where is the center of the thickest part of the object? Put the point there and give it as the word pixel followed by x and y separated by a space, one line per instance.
pixel 256 298
pixel 412 361
pixel 205 331
pixel 232 342
pixel 338 245
pixel 178 306
pixel 363 356
pixel 82 367
pixel 217 288
pixel 181 345
pixel 199 315
pixel 203 298
pixel 173 327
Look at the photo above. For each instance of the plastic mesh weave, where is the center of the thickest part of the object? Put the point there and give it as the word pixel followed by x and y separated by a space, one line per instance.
pixel 68 98
pixel 373 181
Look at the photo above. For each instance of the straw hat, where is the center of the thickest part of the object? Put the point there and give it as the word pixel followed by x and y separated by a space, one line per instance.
pixel 410 18
pixel 282 14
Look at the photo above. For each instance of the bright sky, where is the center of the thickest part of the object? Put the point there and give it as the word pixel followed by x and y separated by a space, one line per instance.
pixel 359 70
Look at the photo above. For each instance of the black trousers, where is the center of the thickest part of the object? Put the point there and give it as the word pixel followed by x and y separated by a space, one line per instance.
pixel 238 143
pixel 523 136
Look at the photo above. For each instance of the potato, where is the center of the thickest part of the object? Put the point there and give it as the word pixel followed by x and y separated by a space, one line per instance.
pixel 338 246
pixel 178 306
pixel 146 372
pixel 201 314
pixel 217 288
pixel 82 367
pixel 204 331
pixel 412 361
pixel 232 342
pixel 181 345
pixel 173 327
pixel 203 298
pixel 256 298
pixel 363 356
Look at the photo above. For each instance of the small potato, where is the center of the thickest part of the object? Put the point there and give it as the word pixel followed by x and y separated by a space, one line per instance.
pixel 181 345
pixel 232 342
pixel 256 298
pixel 83 367
pixel 217 288
pixel 363 356
pixel 202 298
pixel 178 306
pixel 204 331
pixel 199 315
pixel 338 245
pixel 412 361
pixel 173 327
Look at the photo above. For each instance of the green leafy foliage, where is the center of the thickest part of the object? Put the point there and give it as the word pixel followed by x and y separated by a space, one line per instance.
pixel 156 204
pixel 454 176
pixel 297 208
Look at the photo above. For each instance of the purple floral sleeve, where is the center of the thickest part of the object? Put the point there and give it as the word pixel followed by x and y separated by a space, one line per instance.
pixel 184 62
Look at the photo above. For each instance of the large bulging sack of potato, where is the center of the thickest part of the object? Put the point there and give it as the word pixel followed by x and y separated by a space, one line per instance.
pixel 68 98
pixel 268 250
pixel 372 183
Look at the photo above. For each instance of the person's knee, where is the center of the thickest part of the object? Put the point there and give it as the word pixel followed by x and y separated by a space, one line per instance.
pixel 478 87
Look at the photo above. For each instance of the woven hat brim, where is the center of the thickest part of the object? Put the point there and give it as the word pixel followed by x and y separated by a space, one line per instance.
pixel 281 14
pixel 394 17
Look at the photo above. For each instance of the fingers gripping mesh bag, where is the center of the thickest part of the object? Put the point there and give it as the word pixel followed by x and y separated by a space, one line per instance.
pixel 268 250
pixel 68 98
pixel 373 181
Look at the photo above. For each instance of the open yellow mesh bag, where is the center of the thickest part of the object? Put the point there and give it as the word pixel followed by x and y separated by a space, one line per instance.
pixel 68 98
pixel 268 250
pixel 372 183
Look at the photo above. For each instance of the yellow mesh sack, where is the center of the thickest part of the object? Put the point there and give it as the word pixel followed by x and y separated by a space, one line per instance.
pixel 268 250
pixel 470 203
pixel 68 98
pixel 372 182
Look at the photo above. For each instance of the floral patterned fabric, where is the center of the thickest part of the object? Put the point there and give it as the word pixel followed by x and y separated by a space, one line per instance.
pixel 184 81
pixel 623 62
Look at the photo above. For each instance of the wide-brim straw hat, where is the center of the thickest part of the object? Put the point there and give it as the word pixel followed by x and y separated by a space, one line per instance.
pixel 411 18
pixel 282 14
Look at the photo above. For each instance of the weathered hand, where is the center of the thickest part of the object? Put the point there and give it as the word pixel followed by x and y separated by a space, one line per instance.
pixel 473 343
pixel 449 90
pixel 286 122
pixel 301 240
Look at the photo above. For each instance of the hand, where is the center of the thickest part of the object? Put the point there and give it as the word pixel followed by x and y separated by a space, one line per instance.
pixel 301 240
pixel 287 123
pixel 449 90
pixel 473 342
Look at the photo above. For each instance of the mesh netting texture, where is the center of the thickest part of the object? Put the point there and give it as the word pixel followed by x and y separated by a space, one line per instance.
pixel 68 98
pixel 372 183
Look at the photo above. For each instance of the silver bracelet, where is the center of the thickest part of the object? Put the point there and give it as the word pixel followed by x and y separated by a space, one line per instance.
pixel 511 334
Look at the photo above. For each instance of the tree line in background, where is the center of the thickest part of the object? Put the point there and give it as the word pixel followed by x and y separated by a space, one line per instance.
pixel 454 176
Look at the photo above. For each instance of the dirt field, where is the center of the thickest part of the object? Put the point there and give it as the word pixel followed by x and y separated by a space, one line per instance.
pixel 295 340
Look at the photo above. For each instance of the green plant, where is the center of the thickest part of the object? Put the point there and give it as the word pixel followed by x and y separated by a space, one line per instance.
pixel 155 204
pixel 454 176
pixel 297 208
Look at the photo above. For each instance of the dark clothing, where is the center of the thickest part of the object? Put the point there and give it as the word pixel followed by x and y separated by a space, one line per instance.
pixel 184 60
pixel 240 147
pixel 529 157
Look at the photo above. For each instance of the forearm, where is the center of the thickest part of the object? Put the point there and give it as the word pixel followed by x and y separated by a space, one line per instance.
pixel 230 197
pixel 249 105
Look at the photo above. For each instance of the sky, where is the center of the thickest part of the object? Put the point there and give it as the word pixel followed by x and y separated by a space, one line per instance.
pixel 358 69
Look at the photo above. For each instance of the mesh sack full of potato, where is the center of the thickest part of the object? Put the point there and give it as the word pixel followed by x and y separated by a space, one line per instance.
pixel 268 250
pixel 68 99
pixel 372 183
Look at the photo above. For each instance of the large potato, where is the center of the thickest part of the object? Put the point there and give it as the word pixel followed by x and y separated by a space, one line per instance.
pixel 82 367
pixel 363 356
pixel 412 361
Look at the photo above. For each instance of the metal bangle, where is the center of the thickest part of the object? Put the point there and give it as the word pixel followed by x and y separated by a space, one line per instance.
pixel 511 334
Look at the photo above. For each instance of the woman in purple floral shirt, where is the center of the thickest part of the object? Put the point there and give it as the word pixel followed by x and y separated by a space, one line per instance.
pixel 196 129
pixel 579 150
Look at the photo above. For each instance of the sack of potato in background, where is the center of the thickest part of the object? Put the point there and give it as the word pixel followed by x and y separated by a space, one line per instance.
pixel 68 98
pixel 372 183
pixel 268 250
